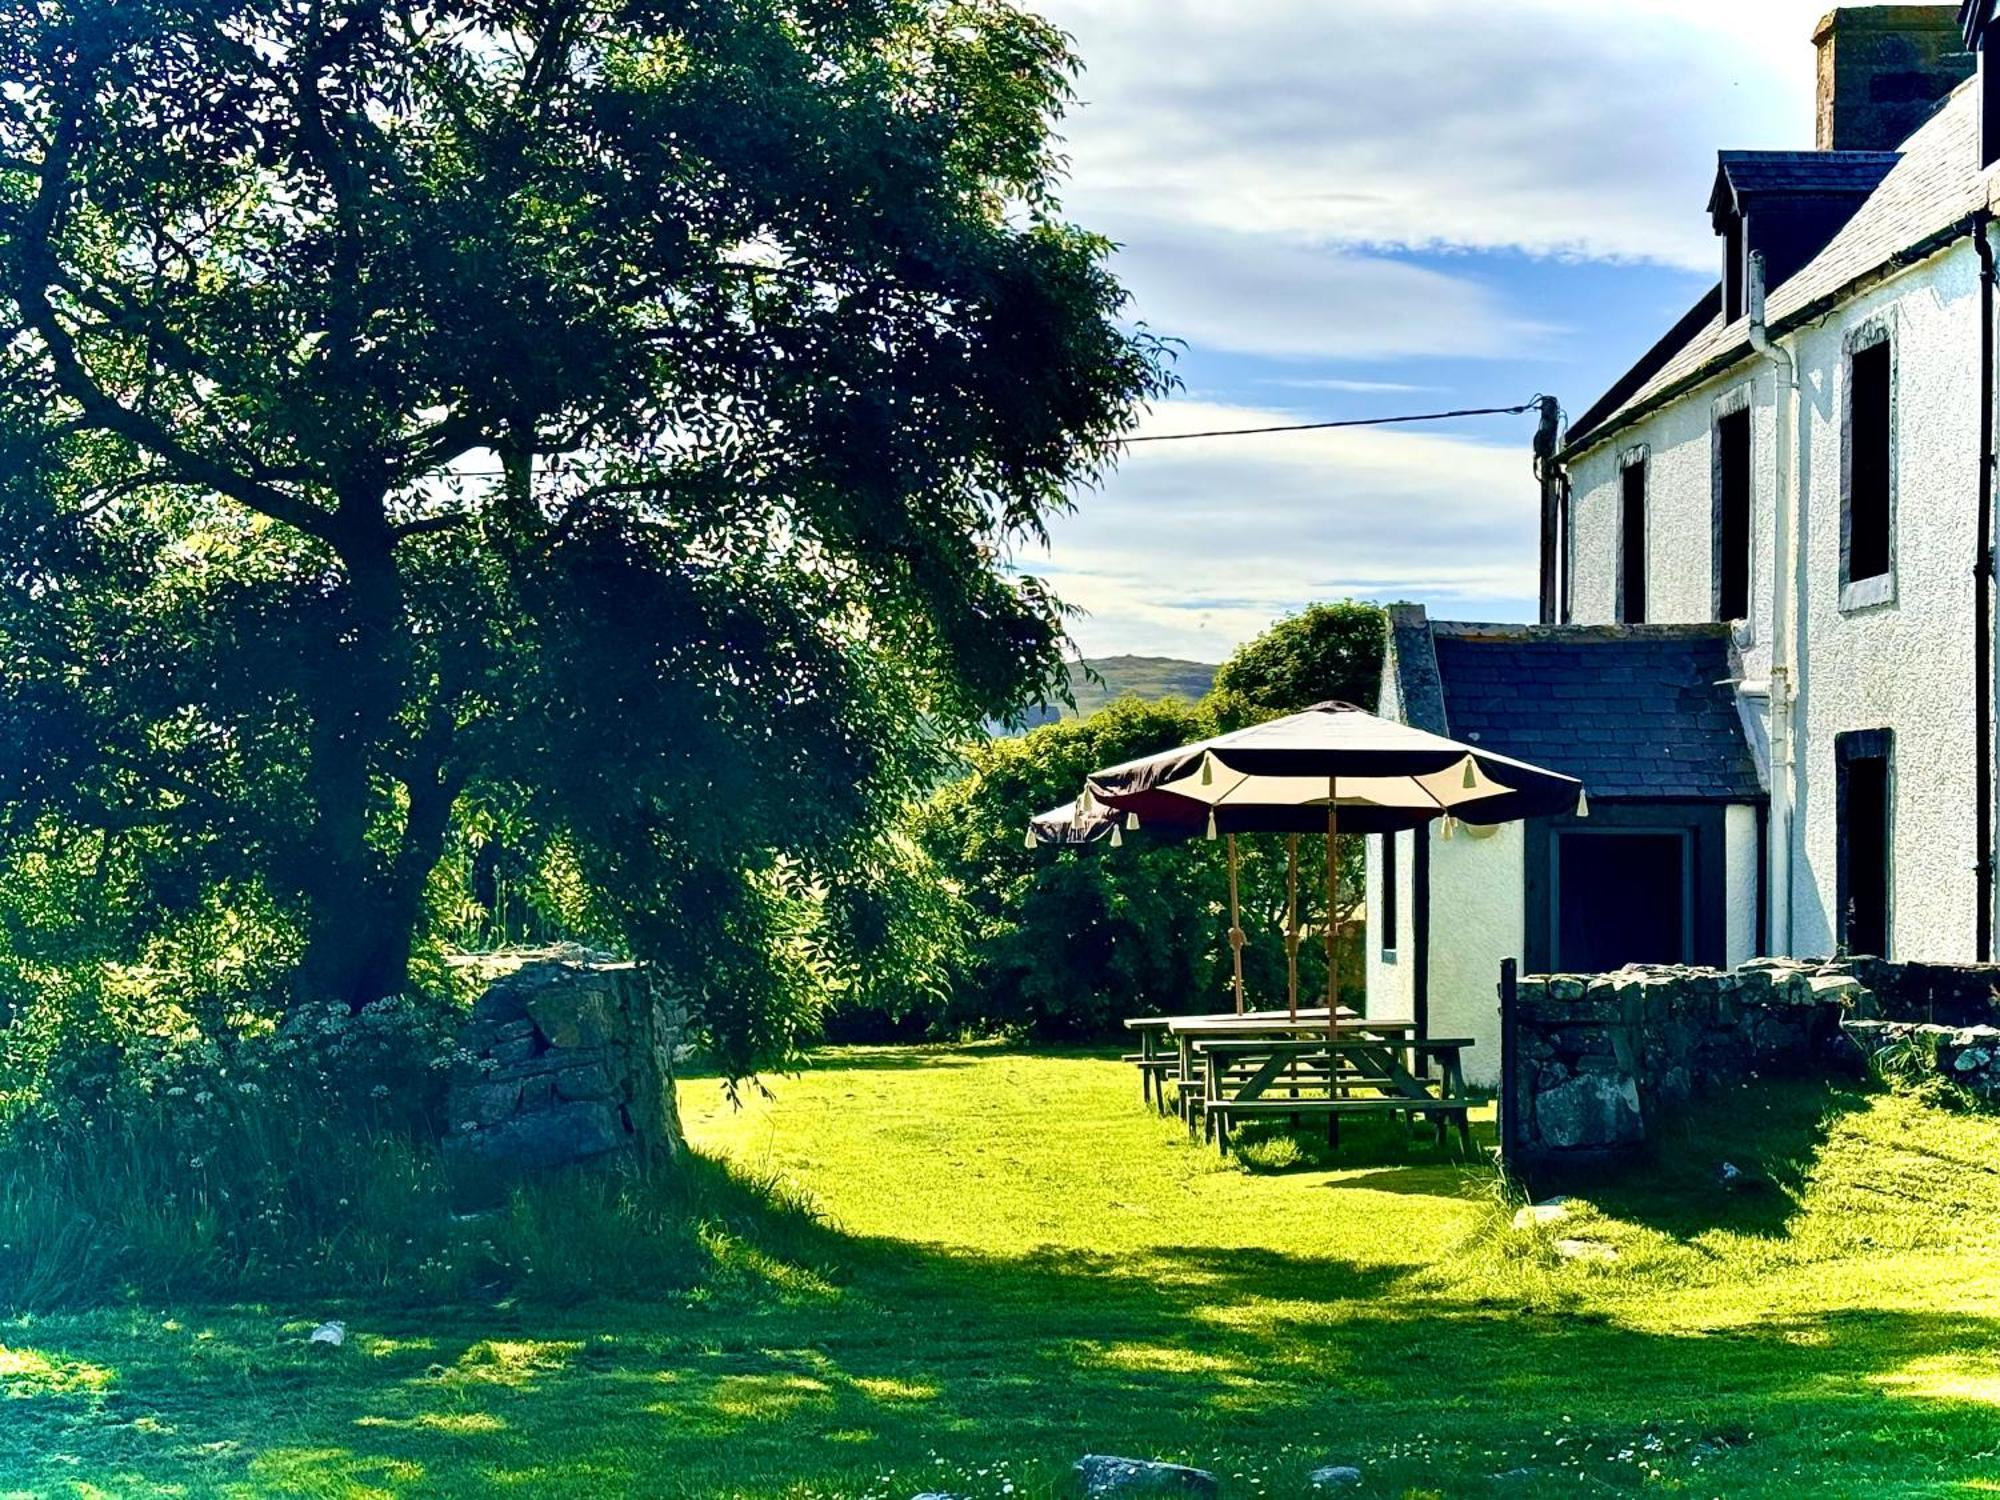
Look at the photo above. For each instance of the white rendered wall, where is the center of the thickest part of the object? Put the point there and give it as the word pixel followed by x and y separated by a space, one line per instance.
pixel 1478 895
pixel 1392 973
pixel 1680 512
pixel 1392 983
pixel 1905 665
pixel 1739 831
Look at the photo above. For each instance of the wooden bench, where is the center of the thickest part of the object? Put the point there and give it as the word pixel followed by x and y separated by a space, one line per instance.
pixel 1240 1075
pixel 1160 1061
pixel 1273 1025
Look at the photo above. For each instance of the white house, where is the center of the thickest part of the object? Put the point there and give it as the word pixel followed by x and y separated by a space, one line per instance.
pixel 1774 666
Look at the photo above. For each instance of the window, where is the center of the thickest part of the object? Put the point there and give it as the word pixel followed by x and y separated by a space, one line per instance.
pixel 1865 804
pixel 1632 542
pixel 1391 915
pixel 1868 474
pixel 1732 514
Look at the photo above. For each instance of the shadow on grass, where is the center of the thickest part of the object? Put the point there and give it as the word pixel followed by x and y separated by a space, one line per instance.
pixel 919 1368
pixel 1251 1362
pixel 1770 1134
pixel 1273 1146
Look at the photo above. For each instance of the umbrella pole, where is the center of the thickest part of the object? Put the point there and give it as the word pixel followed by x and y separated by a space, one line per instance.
pixel 1332 908
pixel 1292 927
pixel 1235 926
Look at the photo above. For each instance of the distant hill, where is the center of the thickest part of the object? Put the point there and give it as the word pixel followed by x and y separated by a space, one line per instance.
pixel 1129 677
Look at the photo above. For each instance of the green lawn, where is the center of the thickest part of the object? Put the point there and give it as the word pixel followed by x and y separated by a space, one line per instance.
pixel 1022 1265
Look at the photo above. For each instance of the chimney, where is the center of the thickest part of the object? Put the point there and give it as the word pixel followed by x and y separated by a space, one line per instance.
pixel 1883 69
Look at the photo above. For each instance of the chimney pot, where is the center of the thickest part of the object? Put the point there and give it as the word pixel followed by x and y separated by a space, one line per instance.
pixel 1883 70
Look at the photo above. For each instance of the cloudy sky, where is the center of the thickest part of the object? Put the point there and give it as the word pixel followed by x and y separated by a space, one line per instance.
pixel 1369 207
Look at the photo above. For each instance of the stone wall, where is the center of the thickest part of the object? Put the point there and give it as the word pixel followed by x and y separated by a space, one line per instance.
pixel 1954 995
pixel 567 1063
pixel 1599 1056
pixel 1967 1056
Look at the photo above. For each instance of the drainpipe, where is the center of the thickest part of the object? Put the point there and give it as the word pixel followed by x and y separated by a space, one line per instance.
pixel 1784 574
pixel 1982 594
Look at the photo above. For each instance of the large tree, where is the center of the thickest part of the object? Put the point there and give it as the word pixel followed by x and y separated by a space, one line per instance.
pixel 623 411
pixel 1324 652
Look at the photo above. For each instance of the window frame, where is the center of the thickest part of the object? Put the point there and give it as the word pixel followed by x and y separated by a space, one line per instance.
pixel 1876 589
pixel 1737 402
pixel 1640 457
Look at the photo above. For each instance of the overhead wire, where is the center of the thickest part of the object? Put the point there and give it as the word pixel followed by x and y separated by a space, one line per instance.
pixel 1429 416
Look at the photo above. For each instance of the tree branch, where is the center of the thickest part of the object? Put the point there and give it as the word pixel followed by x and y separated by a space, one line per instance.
pixel 39 270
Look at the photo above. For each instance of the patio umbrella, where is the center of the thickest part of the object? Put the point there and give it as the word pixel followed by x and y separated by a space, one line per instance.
pixel 1336 763
pixel 1084 821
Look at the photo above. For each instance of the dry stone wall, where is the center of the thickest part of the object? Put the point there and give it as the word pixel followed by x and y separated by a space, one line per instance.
pixel 1601 1057
pixel 566 1064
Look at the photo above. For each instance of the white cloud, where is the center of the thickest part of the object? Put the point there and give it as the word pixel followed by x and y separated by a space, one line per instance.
pixel 1193 547
pixel 1352 387
pixel 1261 294
pixel 1556 126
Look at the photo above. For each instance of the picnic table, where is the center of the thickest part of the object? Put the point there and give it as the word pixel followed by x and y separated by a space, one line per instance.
pixel 1159 1062
pixel 1185 1032
pixel 1350 1073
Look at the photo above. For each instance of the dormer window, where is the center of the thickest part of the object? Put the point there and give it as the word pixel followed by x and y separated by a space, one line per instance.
pixel 1785 206
pixel 1976 20
pixel 1989 101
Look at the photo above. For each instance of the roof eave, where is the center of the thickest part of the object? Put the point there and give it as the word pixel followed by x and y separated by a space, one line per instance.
pixel 1738 353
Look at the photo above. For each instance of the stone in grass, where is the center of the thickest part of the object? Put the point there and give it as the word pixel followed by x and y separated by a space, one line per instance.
pixel 1552 1212
pixel 1334 1477
pixel 1585 1250
pixel 1104 1474
pixel 333 1334
pixel 935 1495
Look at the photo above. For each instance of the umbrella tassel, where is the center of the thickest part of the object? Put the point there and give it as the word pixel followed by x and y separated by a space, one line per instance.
pixel 1582 803
pixel 1032 840
pixel 1211 825
pixel 1117 837
pixel 1132 821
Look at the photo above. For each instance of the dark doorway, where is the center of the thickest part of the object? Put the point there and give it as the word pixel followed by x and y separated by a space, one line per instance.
pixel 1621 898
pixel 1866 802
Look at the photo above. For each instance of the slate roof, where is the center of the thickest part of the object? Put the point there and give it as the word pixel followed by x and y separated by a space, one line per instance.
pixel 1637 713
pixel 1926 201
pixel 1747 173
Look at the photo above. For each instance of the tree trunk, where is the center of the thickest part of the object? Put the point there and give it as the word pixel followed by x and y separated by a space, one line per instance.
pixel 364 904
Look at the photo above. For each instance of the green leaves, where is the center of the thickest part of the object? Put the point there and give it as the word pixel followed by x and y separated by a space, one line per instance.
pixel 619 413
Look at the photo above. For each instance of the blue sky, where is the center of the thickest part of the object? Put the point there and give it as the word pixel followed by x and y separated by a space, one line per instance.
pixel 1367 207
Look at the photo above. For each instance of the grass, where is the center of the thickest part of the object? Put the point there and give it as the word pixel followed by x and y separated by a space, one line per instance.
pixel 1019 1265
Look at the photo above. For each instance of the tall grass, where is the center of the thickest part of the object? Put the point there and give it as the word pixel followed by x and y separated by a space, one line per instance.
pixel 309 1161
pixel 94 1215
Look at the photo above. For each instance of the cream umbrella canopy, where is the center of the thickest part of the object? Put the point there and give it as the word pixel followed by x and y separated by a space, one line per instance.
pixel 1333 765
